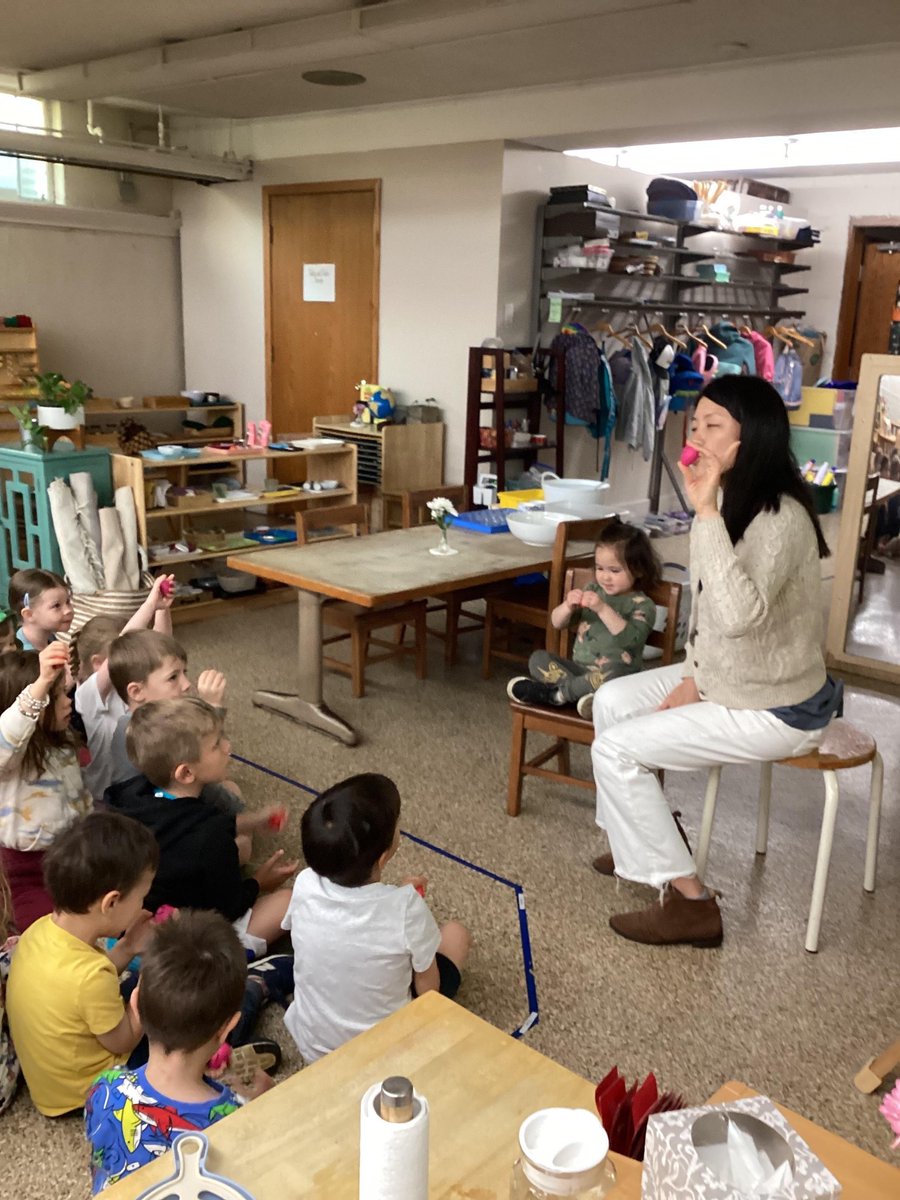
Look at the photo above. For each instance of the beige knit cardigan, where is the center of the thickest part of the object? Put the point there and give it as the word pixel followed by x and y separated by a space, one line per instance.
pixel 757 619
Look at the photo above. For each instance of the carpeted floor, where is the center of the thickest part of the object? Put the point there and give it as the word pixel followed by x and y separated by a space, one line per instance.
pixel 760 1009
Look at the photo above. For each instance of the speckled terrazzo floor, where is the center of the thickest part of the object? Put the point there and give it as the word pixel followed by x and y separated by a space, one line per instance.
pixel 760 1009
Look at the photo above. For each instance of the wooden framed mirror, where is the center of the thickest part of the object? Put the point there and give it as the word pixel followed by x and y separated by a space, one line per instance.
pixel 863 638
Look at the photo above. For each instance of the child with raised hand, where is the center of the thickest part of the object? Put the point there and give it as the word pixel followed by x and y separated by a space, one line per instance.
pixel 191 985
pixel 43 603
pixel 362 948
pixel 66 1012
pixel 41 787
pixel 613 619
pixel 96 700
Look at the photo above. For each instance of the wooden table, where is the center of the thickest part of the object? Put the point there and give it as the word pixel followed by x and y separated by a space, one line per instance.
pixel 302 1138
pixel 376 572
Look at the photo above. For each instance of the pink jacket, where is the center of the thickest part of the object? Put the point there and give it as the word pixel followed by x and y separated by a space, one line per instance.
pixel 765 358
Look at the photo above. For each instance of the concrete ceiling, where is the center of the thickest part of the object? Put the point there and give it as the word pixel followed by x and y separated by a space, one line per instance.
pixel 244 58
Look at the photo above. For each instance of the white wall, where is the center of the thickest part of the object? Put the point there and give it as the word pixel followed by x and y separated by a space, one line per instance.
pixel 440 241
pixel 107 302
pixel 829 201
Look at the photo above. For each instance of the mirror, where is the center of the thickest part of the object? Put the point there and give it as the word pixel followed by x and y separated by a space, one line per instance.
pixel 864 620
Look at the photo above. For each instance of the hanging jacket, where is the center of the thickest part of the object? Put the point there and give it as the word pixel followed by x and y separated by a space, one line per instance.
pixel 705 364
pixel 582 395
pixel 788 377
pixel 637 410
pixel 661 358
pixel 737 349
pixel 765 357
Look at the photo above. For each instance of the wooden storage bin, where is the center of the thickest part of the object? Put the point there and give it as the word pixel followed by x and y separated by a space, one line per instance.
pixel 199 500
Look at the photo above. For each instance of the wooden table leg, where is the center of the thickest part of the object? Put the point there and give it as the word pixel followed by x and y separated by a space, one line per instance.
pixel 873 1074
pixel 307 706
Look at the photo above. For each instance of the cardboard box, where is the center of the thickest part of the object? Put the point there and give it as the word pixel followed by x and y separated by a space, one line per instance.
pixel 681 1146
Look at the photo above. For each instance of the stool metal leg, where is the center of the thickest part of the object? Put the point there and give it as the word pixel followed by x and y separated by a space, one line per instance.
pixel 874 822
pixel 823 859
pixel 709 812
pixel 762 817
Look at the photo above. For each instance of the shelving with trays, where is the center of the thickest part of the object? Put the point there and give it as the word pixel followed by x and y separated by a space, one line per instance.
pixel 158 525
pixel 19 362
pixel 164 417
pixel 666 289
pixel 493 393
pixel 392 458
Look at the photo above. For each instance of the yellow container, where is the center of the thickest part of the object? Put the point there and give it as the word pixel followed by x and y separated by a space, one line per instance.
pixel 820 402
pixel 514 499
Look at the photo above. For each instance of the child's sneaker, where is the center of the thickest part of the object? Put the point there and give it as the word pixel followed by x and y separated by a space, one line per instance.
pixel 585 706
pixel 276 973
pixel 529 691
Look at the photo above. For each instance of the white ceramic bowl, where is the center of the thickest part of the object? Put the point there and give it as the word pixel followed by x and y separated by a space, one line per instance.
pixel 556 489
pixel 171 451
pixel 234 581
pixel 582 508
pixel 532 528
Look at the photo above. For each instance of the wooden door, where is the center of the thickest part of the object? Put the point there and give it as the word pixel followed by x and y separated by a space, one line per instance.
pixel 317 351
pixel 875 305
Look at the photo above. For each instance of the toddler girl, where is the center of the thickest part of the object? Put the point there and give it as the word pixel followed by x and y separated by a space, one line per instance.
pixel 41 789
pixel 612 617
pixel 43 603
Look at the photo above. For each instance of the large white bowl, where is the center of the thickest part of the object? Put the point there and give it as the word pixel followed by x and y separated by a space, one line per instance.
pixel 532 528
pixel 584 508
pixel 556 489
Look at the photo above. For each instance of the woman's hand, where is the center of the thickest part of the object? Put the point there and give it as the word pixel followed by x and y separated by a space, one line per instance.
pixel 703 479
pixel 685 693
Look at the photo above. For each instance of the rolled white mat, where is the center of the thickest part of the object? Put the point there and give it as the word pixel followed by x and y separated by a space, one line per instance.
pixel 113 550
pixel 86 505
pixel 70 538
pixel 124 501
pixel 393 1157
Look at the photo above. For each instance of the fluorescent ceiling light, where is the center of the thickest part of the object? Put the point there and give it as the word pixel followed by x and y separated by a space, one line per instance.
pixel 784 152
pixel 122 156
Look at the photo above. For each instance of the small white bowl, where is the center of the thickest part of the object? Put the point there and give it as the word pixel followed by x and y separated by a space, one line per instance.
pixel 171 451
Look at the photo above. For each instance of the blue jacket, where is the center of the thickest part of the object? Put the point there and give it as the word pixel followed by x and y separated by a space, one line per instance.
pixel 738 350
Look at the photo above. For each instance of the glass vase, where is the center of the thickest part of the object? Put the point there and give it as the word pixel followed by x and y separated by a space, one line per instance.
pixel 443 547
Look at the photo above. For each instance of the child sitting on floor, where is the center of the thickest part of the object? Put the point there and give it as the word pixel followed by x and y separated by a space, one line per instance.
pixel 9 1064
pixel 41 788
pixel 145 665
pixel 66 1013
pixel 43 603
pixel 613 619
pixel 362 948
pixel 96 700
pixel 181 748
pixel 190 990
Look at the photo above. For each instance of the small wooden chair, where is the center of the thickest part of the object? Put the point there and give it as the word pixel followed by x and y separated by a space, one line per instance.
pixel 843 747
pixel 531 604
pixel 416 512
pixel 358 623
pixel 564 724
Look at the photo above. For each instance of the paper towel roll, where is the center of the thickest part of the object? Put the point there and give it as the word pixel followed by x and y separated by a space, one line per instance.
pixel 393 1157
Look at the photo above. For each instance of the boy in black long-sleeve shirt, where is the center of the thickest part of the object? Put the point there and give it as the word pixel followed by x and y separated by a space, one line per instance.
pixel 180 746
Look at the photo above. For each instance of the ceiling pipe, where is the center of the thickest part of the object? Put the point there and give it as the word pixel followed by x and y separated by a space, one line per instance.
pixel 94 130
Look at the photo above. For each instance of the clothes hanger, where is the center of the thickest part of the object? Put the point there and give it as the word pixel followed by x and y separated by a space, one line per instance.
pixel 795 335
pixel 636 333
pixel 712 337
pixel 773 332
pixel 658 327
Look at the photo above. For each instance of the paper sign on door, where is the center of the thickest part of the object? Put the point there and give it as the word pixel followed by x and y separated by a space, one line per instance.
pixel 318 282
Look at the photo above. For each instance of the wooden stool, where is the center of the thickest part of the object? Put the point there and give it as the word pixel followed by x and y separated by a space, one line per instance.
pixel 844 746
pixel 871 1076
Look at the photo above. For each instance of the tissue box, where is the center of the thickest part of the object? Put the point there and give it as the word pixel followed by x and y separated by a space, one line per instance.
pixel 678 1143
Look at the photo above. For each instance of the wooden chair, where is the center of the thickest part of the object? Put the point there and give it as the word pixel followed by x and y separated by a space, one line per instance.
pixel 358 623
pixel 564 724
pixel 867 537
pixel 843 747
pixel 531 604
pixel 415 512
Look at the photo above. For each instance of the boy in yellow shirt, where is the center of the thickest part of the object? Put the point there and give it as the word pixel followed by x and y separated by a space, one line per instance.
pixel 67 1016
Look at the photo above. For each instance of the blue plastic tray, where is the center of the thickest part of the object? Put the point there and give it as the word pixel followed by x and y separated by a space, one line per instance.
pixel 269 536
pixel 483 520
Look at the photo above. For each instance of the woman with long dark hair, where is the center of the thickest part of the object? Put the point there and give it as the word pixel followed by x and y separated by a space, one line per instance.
pixel 753 686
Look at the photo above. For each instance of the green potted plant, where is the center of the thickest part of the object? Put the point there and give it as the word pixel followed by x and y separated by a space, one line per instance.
pixel 60 404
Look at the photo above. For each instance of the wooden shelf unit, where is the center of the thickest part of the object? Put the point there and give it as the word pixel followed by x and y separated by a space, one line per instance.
pixel 162 415
pixel 19 361
pixel 156 525
pixel 503 397
pixel 392 458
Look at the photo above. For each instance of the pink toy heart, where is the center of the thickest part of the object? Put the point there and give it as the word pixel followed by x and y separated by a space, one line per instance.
pixel 689 456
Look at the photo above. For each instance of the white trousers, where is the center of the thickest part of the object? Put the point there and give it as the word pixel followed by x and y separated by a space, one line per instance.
pixel 633 740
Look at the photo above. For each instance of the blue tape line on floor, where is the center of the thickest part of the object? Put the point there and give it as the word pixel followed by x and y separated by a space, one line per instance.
pixel 519 892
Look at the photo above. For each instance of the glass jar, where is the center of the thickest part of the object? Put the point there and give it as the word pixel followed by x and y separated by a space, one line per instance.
pixel 564 1152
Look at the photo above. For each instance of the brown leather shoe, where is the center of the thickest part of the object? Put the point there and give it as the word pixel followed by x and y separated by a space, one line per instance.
pixel 604 864
pixel 672 922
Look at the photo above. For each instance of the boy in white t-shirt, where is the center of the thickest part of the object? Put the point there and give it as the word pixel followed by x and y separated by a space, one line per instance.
pixel 96 700
pixel 362 948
